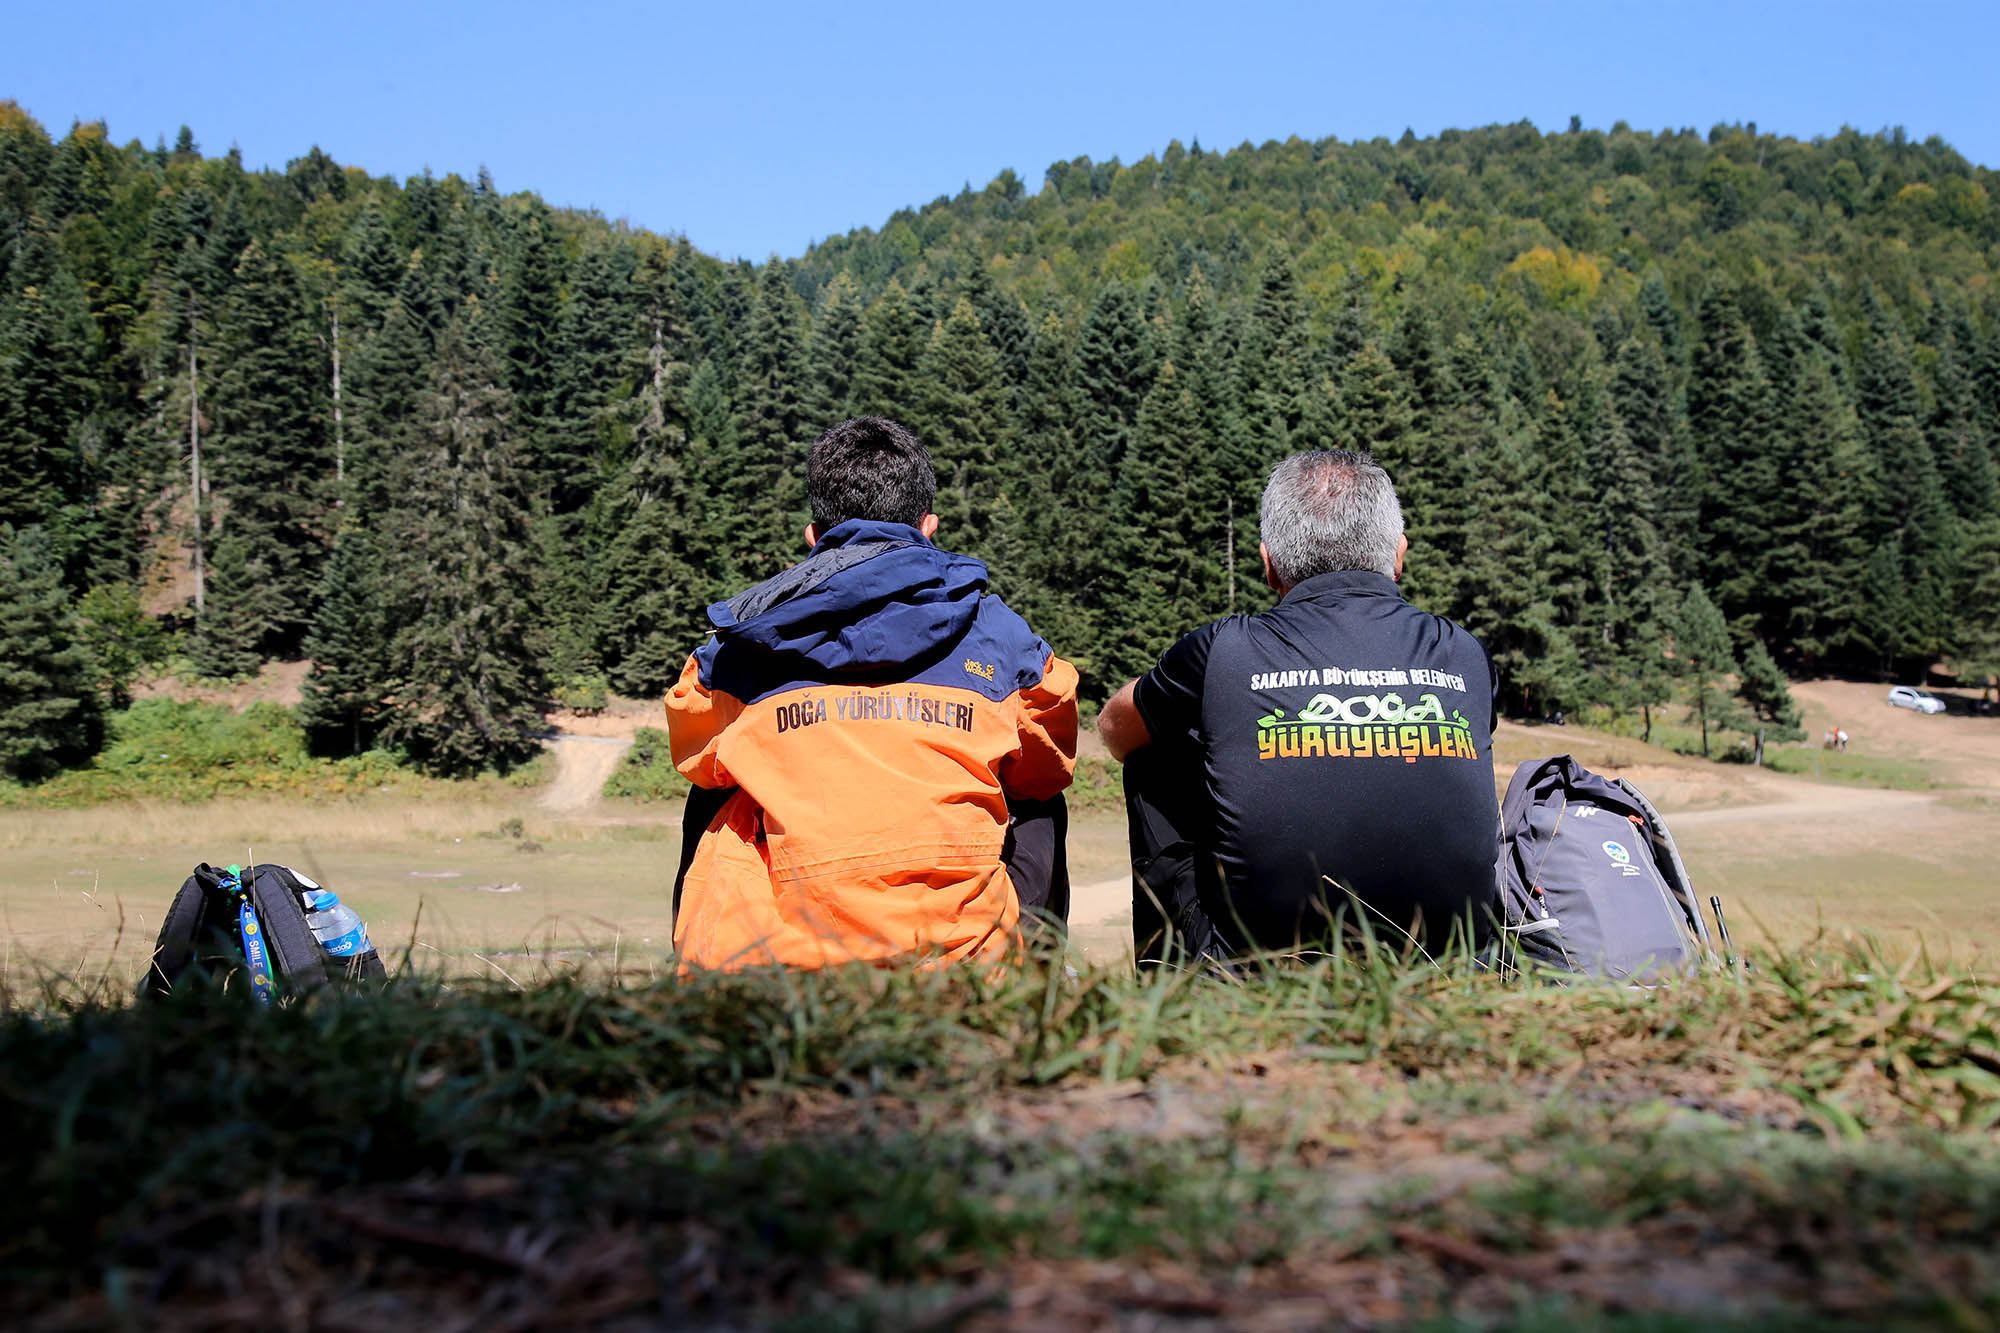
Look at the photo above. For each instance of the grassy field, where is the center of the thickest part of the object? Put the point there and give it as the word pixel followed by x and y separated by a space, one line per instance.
pixel 538 1125
pixel 1352 1144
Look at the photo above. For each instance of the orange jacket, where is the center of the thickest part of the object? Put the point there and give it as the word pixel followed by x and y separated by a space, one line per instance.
pixel 875 710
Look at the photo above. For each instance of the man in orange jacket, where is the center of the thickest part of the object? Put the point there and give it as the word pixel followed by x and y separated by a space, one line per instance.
pixel 879 746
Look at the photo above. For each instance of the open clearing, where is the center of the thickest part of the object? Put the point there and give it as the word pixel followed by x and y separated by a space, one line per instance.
pixel 559 874
pixel 1808 1144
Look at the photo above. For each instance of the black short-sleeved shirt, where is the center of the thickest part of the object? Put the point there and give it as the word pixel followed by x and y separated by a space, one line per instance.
pixel 1342 733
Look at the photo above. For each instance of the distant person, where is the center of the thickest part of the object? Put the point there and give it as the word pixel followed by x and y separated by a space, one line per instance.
pixel 879 745
pixel 1290 773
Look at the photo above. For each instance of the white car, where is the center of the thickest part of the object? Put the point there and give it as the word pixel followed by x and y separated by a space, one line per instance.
pixel 1908 696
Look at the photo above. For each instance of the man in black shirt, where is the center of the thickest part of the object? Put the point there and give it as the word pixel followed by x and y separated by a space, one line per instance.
pixel 1290 773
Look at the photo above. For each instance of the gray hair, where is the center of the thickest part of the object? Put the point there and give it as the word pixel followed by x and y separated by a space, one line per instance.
pixel 1330 510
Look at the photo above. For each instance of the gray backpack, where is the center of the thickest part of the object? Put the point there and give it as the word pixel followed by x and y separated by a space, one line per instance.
pixel 1590 880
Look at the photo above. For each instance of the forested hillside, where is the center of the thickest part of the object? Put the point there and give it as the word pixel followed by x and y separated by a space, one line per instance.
pixel 462 449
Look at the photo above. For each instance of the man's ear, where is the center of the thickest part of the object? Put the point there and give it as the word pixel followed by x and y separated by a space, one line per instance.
pixel 928 526
pixel 1271 578
pixel 812 536
pixel 1402 549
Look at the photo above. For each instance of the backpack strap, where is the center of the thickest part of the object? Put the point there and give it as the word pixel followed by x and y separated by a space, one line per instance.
pixel 194 921
pixel 293 947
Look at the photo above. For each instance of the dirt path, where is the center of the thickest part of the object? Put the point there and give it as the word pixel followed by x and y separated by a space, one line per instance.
pixel 583 763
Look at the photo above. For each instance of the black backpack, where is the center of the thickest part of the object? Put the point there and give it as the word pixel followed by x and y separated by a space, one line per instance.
pixel 1590 880
pixel 201 935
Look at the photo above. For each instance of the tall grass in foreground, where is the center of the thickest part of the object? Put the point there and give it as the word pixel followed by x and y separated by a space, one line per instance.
pixel 1811 1138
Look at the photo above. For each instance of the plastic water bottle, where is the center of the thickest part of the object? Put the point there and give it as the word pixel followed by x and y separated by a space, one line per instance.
pixel 339 931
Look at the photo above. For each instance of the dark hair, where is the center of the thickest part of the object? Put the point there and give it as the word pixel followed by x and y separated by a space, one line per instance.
pixel 869 467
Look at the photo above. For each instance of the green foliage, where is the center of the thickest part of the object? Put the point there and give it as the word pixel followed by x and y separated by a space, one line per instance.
pixel 646 771
pixel 49 714
pixel 121 640
pixel 583 694
pixel 344 694
pixel 1598 364
pixel 468 683
pixel 1702 657
pixel 165 750
pixel 1767 698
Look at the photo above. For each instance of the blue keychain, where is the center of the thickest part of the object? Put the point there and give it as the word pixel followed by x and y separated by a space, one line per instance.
pixel 255 954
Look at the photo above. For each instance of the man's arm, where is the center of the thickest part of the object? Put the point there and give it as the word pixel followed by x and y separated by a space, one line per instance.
pixel 696 719
pixel 1120 726
pixel 1162 705
pixel 1044 758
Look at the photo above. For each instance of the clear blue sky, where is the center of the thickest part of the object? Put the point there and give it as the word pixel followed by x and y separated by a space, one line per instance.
pixel 757 129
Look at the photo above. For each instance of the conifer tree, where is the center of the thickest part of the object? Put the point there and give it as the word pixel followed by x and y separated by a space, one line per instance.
pixel 1511 597
pixel 371 269
pixel 963 420
pixel 765 481
pixel 386 379
pixel 1642 395
pixel 530 308
pixel 1165 533
pixel 48 349
pixel 651 611
pixel 892 347
pixel 1909 610
pixel 1004 321
pixel 1729 416
pixel 1045 582
pixel 1702 657
pixel 594 343
pixel 1273 375
pixel 468 684
pixel 49 718
pixel 1816 545
pixel 837 350
pixel 342 700
pixel 273 466
pixel 1767 700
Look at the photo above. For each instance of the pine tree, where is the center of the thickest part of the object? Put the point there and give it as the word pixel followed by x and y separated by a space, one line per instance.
pixel 837 350
pixel 1816 546
pixel 49 717
pixel 1767 700
pixel 894 343
pixel 1113 370
pixel 273 468
pixel 654 595
pixel 1273 375
pixel 596 336
pixel 468 684
pixel 1045 582
pixel 1643 397
pixel 1730 419
pixel 1165 534
pixel 529 315
pixel 765 481
pixel 962 420
pixel 342 701
pixel 371 269
pixel 1372 408
pixel 1004 321
pixel 48 350
pixel 1512 598
pixel 1702 657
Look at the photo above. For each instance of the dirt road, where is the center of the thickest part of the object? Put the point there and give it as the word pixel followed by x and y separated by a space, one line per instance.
pixel 583 763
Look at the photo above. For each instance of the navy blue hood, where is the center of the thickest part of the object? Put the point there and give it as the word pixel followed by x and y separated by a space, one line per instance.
pixel 870 598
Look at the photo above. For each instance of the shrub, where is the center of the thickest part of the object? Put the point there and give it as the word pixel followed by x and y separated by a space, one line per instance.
pixel 646 772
